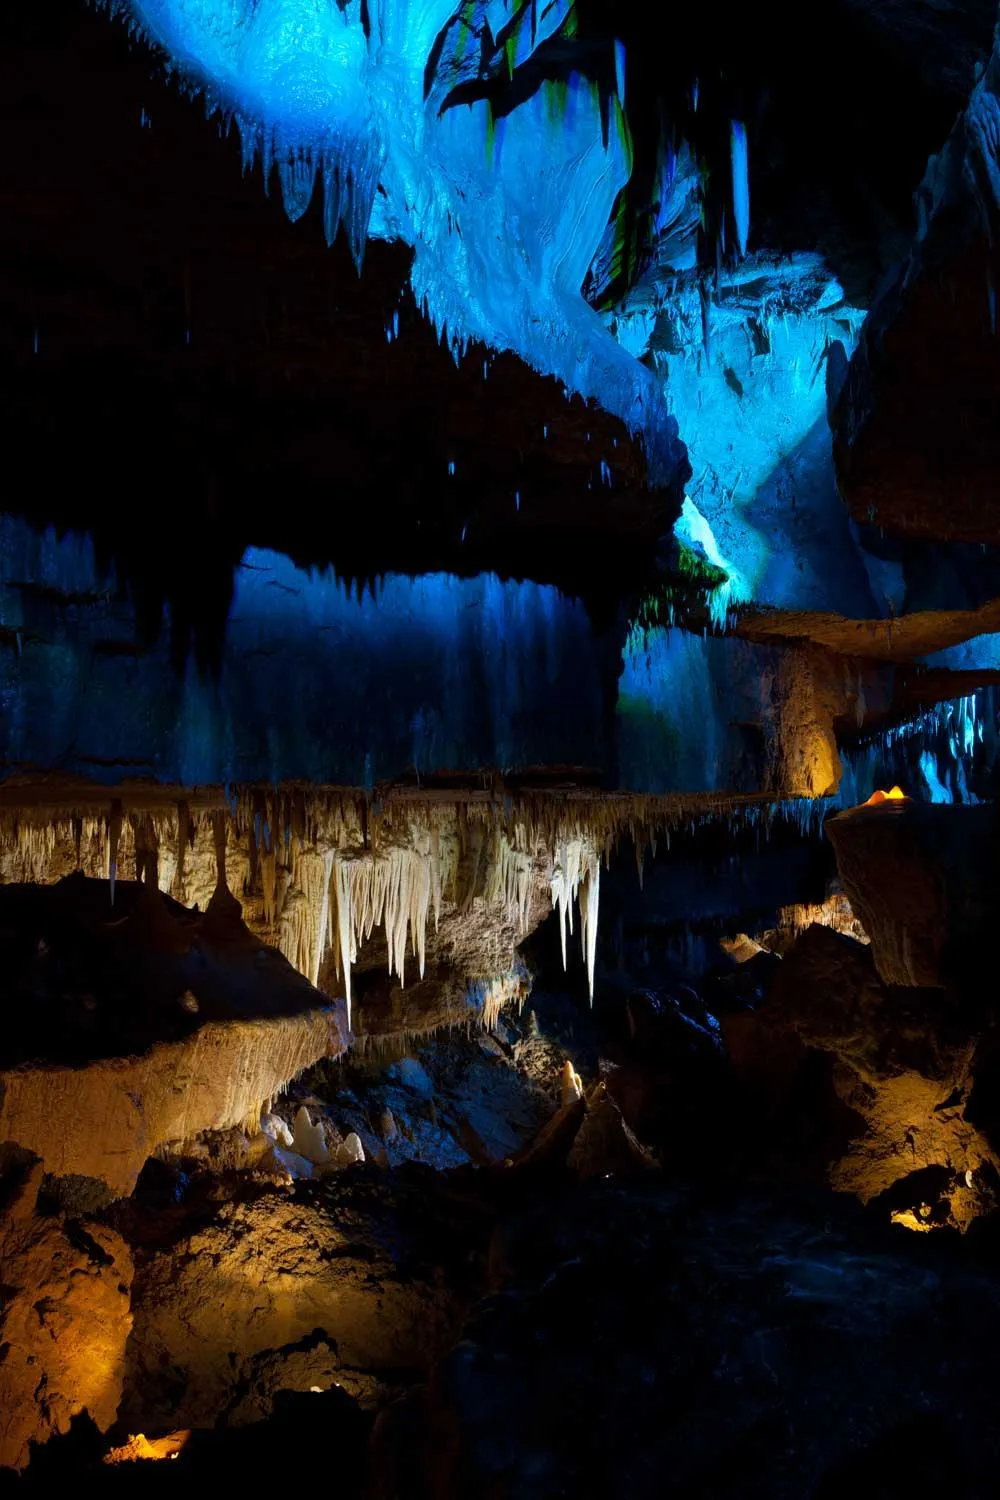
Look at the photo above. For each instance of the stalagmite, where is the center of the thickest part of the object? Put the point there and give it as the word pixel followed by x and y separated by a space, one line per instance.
pixel 308 1139
pixel 571 1084
pixel 350 1152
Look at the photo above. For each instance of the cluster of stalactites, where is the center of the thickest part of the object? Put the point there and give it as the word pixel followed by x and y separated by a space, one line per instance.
pixel 576 877
pixel 399 887
pixel 395 889
pixel 318 871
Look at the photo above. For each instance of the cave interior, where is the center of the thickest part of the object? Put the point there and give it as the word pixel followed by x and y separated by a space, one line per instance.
pixel 500 1002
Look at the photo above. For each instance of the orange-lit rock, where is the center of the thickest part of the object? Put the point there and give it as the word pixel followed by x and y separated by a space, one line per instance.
pixel 64 1322
pixel 141 1448
pixel 870 1083
pixel 357 1282
pixel 895 794
pixel 144 1068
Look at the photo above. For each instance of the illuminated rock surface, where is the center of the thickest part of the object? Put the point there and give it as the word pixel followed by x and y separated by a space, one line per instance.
pixel 141 1025
pixel 65 1321
pixel 320 1282
pixel 874 1082
pixel 457 573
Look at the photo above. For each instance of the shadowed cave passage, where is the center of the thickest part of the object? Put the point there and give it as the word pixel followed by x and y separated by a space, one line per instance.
pixel 498 748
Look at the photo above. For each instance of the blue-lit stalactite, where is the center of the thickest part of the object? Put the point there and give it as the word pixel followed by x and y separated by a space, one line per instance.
pixel 949 754
pixel 322 682
pixel 358 103
pixel 318 682
pixel 741 183
pixel 749 369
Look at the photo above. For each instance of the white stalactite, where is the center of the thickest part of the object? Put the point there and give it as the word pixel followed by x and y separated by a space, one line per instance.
pixel 576 876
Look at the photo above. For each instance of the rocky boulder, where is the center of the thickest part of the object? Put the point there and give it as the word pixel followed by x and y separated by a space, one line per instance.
pixel 923 881
pixel 64 1322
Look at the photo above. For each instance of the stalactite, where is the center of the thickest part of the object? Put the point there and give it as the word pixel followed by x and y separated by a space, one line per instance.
pixel 576 875
pixel 332 866
pixel 590 895
pixel 219 834
pixel 183 839
pixel 114 835
pixel 146 842
pixel 306 922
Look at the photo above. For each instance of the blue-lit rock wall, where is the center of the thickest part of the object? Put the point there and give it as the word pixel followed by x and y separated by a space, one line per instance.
pixel 695 713
pixel 749 370
pixel 316 683
pixel 504 210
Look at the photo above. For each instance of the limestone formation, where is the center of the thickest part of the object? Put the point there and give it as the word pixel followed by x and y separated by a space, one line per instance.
pixel 922 880
pixel 350 1283
pixel 106 1060
pixel 64 1321
pixel 899 1070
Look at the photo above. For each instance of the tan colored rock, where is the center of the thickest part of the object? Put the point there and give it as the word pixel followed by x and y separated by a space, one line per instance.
pixel 903 639
pixel 106 1119
pixel 835 912
pixel 141 1449
pixel 810 695
pixel 282 1284
pixel 424 905
pixel 89 1114
pixel 604 1145
pixel 64 1323
pixel 898 1062
pixel 922 881
pixel 741 948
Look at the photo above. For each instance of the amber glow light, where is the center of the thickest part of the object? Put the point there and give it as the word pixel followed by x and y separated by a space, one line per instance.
pixel 895 794
pixel 141 1448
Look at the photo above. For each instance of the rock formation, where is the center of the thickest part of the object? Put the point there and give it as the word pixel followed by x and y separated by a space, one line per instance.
pixel 499 742
pixel 65 1320
pixel 881 1078
pixel 171 1024
pixel 922 881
